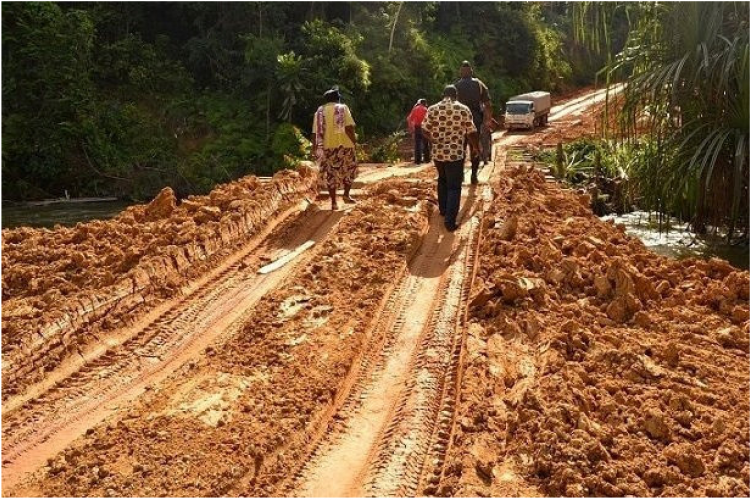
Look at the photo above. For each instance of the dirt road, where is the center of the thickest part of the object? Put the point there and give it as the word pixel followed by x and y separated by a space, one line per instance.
pixel 48 418
pixel 326 356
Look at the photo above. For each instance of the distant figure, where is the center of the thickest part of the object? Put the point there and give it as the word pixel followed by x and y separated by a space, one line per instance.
pixel 448 125
pixel 474 93
pixel 414 121
pixel 485 139
pixel 335 141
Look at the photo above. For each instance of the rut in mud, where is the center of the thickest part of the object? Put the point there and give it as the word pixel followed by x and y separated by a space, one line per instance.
pixel 74 402
pixel 397 389
pixel 369 352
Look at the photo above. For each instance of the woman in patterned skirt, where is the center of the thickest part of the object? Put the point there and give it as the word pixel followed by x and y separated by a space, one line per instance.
pixel 334 141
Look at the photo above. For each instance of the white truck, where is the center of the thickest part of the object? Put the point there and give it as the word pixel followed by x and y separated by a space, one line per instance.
pixel 527 110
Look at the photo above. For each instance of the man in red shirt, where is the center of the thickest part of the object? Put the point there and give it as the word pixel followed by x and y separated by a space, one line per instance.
pixel 414 121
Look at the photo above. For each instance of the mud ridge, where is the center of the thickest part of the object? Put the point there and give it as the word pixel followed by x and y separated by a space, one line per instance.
pixel 592 365
pixel 61 290
pixel 248 402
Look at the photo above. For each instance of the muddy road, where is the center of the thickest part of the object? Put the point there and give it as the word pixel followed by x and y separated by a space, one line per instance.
pixel 281 349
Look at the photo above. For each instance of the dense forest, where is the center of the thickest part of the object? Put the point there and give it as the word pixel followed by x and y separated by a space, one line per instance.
pixel 122 98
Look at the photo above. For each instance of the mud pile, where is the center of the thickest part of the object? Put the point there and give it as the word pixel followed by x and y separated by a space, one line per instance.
pixel 236 421
pixel 595 367
pixel 586 123
pixel 61 287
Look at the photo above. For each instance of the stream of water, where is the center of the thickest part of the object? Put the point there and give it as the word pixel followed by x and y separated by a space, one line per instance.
pixel 679 242
pixel 66 214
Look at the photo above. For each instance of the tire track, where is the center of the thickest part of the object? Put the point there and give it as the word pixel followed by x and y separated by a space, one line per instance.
pixel 390 315
pixel 159 314
pixel 411 453
pixel 217 309
pixel 350 441
pixel 417 435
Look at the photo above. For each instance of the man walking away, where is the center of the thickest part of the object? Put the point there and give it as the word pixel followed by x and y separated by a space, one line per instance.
pixel 485 140
pixel 414 121
pixel 334 140
pixel 448 125
pixel 474 93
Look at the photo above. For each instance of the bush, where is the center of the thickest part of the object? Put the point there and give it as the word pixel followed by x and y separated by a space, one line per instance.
pixel 387 150
pixel 288 147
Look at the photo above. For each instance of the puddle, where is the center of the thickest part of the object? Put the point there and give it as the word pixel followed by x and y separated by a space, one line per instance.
pixel 679 242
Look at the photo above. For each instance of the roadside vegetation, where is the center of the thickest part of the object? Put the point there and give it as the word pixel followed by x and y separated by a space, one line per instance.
pixel 124 98
pixel 682 124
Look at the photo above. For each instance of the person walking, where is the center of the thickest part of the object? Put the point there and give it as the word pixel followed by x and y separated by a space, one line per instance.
pixel 448 125
pixel 485 140
pixel 335 141
pixel 473 93
pixel 414 122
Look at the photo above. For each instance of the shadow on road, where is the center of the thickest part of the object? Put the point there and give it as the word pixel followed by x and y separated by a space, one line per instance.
pixel 440 247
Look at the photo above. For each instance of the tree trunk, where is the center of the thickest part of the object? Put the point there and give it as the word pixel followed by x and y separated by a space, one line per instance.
pixel 393 27
pixel 268 113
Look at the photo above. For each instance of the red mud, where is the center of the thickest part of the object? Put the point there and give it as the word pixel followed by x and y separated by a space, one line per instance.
pixel 232 422
pixel 595 367
pixel 63 287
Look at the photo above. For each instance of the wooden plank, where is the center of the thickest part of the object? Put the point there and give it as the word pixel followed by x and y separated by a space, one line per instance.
pixel 278 264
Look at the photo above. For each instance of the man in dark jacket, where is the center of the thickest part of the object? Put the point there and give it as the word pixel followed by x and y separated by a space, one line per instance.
pixel 473 93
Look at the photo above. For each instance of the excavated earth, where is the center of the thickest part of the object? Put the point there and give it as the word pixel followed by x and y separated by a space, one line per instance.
pixel 583 364
pixel 230 422
pixel 594 367
pixel 63 289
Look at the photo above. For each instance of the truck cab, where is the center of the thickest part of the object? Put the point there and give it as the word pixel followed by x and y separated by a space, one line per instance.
pixel 527 110
pixel 519 114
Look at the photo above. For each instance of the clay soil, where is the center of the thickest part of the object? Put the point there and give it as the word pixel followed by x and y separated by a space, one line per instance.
pixel 229 423
pixel 594 367
pixel 63 289
pixel 538 351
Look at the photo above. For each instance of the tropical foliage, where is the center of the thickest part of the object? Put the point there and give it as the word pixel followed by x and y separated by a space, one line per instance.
pixel 686 66
pixel 121 98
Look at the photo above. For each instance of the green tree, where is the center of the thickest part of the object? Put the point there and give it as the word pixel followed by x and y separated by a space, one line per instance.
pixel 124 97
pixel 686 68
pixel 46 90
